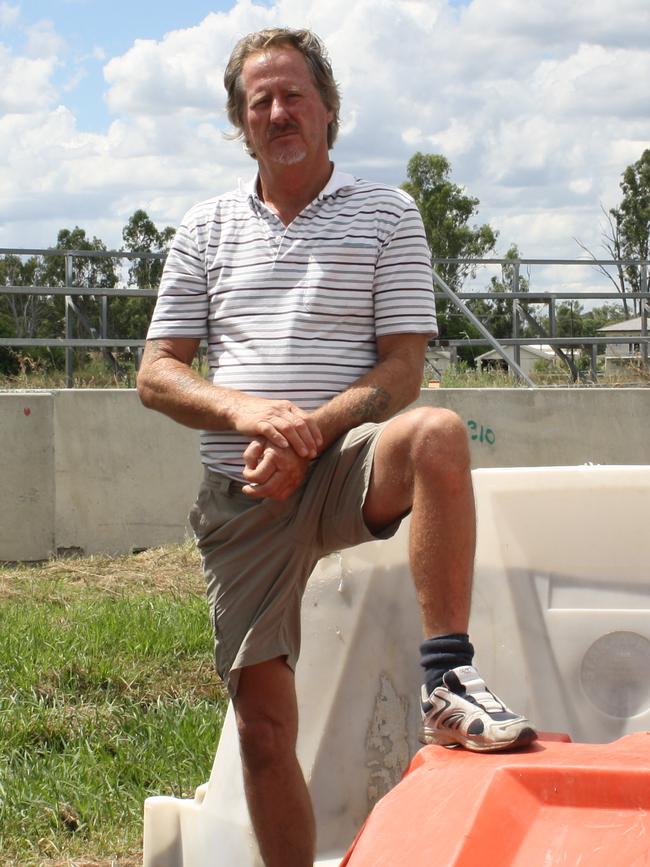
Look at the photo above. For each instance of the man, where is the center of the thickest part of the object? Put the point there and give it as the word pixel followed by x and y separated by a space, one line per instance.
pixel 314 292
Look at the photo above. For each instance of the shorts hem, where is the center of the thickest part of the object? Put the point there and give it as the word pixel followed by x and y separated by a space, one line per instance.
pixel 246 660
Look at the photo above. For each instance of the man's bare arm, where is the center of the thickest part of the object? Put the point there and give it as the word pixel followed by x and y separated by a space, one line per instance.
pixel 167 383
pixel 392 384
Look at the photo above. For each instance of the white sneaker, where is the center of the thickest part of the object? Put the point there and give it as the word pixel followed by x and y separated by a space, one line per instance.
pixel 465 713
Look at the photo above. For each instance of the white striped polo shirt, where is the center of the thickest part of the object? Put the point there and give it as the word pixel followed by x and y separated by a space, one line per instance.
pixel 294 311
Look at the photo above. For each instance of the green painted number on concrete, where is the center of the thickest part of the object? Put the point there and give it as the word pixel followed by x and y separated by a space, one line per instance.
pixel 480 433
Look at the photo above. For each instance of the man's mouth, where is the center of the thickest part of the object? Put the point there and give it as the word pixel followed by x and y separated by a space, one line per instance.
pixel 283 133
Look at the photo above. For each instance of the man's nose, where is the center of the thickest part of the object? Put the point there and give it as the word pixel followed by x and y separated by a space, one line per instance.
pixel 279 113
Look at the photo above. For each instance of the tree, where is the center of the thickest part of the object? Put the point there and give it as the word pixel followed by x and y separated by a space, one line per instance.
pixel 632 218
pixel 130 317
pixel 627 231
pixel 91 272
pixel 88 273
pixel 22 313
pixel 446 212
pixel 599 317
pixel 140 235
pixel 23 316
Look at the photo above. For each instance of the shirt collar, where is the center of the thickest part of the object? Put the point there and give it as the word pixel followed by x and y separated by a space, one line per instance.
pixel 337 181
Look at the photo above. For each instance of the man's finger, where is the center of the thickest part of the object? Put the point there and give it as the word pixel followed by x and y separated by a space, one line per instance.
pixel 299 433
pixel 262 471
pixel 274 489
pixel 253 452
pixel 272 434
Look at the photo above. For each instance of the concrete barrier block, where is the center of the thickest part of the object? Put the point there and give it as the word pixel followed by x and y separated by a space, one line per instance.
pixel 518 427
pixel 121 477
pixel 126 477
pixel 26 476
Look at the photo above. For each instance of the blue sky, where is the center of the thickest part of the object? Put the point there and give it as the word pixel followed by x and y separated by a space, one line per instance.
pixel 106 107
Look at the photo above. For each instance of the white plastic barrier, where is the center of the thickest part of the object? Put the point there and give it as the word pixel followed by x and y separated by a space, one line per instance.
pixel 560 624
pixel 561 608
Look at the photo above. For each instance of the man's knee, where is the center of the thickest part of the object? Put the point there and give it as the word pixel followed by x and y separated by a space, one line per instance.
pixel 266 714
pixel 438 439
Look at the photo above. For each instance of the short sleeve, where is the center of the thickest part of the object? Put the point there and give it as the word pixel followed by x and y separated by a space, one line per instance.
pixel 403 286
pixel 182 306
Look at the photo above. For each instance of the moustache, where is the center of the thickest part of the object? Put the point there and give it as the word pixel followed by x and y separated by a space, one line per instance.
pixel 275 130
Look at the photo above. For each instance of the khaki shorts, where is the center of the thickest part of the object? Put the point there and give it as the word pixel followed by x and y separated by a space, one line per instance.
pixel 258 554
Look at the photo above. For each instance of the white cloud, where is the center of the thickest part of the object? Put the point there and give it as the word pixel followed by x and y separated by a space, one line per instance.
pixel 25 82
pixel 9 14
pixel 43 41
pixel 185 69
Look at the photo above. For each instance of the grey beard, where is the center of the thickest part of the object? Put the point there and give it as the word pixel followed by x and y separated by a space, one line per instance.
pixel 290 155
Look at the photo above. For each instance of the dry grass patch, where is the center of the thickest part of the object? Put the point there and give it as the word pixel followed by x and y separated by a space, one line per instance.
pixel 174 569
pixel 134 860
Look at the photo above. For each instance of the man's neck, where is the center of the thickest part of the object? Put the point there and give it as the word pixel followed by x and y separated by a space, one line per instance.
pixel 287 190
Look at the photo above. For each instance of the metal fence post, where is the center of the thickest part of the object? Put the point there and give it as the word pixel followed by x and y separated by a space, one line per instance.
pixel 552 321
pixel 103 317
pixel 644 316
pixel 516 322
pixel 69 352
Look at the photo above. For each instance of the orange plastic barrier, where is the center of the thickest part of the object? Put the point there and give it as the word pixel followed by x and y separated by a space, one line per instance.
pixel 583 805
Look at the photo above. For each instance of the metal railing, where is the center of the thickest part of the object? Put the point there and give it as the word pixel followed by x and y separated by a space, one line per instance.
pixel 97 338
pixel 521 315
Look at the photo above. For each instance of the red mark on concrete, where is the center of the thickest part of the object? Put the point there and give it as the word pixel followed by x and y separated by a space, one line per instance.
pixel 27 411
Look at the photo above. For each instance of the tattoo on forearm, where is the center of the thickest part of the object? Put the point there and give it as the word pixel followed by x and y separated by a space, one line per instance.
pixel 374 405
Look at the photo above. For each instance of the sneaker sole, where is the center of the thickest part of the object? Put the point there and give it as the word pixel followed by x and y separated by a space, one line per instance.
pixel 523 738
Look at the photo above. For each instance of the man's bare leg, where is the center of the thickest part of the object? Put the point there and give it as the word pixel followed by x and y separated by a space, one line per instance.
pixel 422 462
pixel 278 801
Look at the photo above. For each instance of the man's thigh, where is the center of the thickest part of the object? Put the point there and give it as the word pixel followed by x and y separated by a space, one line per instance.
pixel 255 570
pixel 343 523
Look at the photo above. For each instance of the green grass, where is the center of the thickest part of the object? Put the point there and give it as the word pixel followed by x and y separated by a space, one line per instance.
pixel 107 695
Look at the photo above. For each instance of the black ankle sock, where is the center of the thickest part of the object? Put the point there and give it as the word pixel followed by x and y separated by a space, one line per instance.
pixel 441 653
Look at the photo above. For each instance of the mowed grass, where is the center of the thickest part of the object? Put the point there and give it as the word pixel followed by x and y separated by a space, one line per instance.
pixel 107 696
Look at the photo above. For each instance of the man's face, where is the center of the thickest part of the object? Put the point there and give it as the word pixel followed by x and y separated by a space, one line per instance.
pixel 284 118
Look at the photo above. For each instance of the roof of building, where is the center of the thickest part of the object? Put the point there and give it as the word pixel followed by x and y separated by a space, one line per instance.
pixel 631 325
pixel 541 351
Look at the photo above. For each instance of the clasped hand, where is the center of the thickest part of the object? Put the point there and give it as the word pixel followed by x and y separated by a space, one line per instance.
pixel 285 439
pixel 272 471
pixel 280 422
